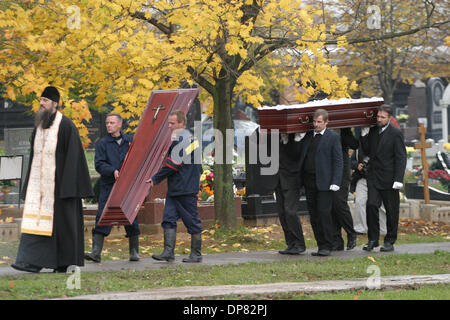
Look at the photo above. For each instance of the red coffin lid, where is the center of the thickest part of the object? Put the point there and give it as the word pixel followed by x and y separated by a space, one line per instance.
pixel 145 156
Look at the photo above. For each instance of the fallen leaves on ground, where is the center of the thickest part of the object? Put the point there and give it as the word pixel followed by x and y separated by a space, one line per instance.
pixel 215 240
pixel 422 227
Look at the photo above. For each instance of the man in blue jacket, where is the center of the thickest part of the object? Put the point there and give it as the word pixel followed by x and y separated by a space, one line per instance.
pixel 182 170
pixel 321 165
pixel 110 152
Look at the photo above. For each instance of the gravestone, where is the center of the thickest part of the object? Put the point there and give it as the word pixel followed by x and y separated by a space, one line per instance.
pixel 435 90
pixel 17 142
pixel 417 102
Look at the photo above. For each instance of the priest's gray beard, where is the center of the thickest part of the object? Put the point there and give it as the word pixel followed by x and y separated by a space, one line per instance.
pixel 43 118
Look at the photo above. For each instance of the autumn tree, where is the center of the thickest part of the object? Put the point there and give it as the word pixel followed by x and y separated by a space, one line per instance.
pixel 389 42
pixel 118 51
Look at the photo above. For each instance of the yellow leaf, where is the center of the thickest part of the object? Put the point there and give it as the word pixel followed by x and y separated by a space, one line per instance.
pixel 115 258
pixel 371 259
pixel 236 245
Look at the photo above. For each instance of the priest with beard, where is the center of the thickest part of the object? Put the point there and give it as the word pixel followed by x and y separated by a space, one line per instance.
pixel 52 230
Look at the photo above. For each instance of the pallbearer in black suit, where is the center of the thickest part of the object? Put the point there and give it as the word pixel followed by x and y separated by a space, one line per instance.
pixel 386 148
pixel 321 174
pixel 342 217
pixel 287 191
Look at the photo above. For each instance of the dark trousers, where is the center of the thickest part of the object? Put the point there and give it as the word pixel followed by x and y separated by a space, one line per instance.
pixel 131 230
pixel 319 206
pixel 287 205
pixel 341 215
pixel 391 200
pixel 184 207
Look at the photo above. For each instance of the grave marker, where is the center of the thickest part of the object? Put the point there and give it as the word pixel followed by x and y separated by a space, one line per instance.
pixel 422 145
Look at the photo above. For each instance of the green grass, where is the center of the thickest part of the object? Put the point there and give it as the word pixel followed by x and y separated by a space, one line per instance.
pixel 39 286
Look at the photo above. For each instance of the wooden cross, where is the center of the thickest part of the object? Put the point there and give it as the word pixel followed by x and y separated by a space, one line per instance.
pixel 422 146
pixel 160 107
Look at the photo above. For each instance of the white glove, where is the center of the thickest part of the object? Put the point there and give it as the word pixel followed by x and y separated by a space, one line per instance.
pixel 397 185
pixel 284 138
pixel 334 187
pixel 299 136
pixel 364 131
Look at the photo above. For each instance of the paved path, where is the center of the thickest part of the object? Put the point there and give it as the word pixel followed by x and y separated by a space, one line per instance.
pixel 243 257
pixel 306 287
pixel 256 256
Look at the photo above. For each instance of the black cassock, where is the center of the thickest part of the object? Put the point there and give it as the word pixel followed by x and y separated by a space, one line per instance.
pixel 66 245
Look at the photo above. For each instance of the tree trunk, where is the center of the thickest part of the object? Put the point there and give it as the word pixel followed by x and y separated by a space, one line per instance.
pixel 223 175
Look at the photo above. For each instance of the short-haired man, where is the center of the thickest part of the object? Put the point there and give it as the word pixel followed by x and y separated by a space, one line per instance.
pixel 58 178
pixel 183 180
pixel 385 147
pixel 110 152
pixel 321 164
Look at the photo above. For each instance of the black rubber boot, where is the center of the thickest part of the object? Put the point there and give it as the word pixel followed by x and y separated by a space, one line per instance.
pixel 196 249
pixel 97 247
pixel 170 236
pixel 134 248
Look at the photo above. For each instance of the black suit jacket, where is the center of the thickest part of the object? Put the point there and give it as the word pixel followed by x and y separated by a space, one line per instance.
pixel 288 171
pixel 387 154
pixel 328 159
pixel 348 142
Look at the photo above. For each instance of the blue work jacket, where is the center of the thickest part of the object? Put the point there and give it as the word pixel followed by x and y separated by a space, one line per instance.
pixel 180 167
pixel 109 156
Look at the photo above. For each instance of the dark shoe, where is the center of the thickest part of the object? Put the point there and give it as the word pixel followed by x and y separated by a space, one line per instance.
pixel 337 247
pixel 351 242
pixel 134 248
pixel 168 254
pixel 293 250
pixel 196 249
pixel 371 245
pixel 60 269
pixel 321 253
pixel 387 246
pixel 22 266
pixel 97 247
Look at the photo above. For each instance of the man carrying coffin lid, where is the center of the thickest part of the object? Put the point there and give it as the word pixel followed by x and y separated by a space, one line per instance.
pixel 58 178
pixel 110 153
pixel 183 180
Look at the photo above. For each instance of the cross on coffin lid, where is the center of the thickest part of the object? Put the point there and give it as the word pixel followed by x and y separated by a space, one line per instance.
pixel 145 156
pixel 343 113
